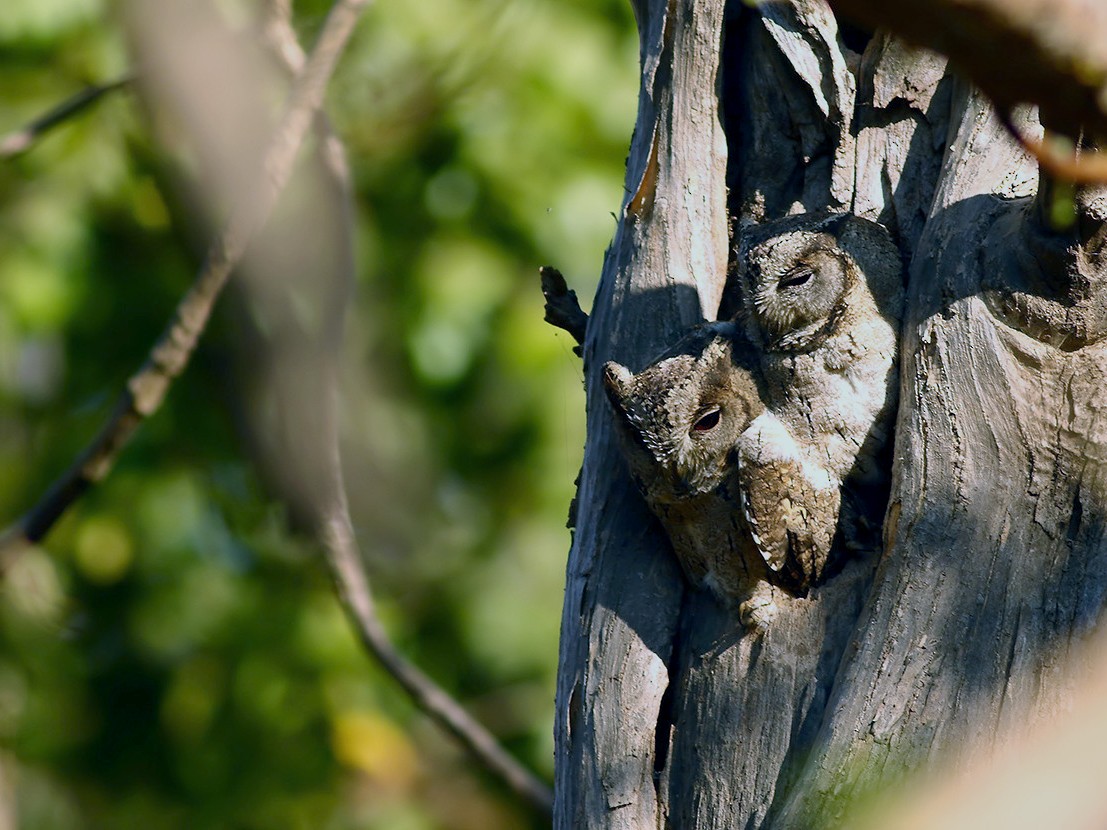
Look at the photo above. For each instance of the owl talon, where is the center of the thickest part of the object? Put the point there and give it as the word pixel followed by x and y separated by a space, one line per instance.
pixel 759 610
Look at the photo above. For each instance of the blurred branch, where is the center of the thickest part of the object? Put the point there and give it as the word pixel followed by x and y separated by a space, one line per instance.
pixel 1059 157
pixel 562 307
pixel 278 34
pixel 1035 773
pixel 21 140
pixel 334 528
pixel 147 388
pixel 1044 52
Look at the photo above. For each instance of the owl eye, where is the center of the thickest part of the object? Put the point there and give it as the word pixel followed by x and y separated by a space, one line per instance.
pixel 795 278
pixel 708 420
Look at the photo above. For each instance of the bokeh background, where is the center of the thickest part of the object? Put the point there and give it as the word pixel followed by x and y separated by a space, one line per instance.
pixel 173 655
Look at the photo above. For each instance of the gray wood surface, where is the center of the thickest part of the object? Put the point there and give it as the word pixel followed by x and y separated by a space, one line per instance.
pixel 994 566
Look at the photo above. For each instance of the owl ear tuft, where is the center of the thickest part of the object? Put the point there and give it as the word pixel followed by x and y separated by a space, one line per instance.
pixel 616 382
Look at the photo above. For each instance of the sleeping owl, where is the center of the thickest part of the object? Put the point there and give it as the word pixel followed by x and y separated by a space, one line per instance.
pixel 746 436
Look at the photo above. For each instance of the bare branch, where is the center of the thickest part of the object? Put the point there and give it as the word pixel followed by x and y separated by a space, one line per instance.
pixel 19 141
pixel 147 388
pixel 562 308
pixel 334 529
pixel 278 33
pixel 337 536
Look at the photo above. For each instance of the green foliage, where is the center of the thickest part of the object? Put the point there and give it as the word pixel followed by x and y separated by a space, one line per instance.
pixel 174 656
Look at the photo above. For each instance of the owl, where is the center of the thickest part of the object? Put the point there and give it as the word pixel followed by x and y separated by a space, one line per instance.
pixel 749 436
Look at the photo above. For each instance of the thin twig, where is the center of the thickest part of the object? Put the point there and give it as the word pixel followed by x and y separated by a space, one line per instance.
pixel 337 536
pixel 21 140
pixel 334 528
pixel 147 388
pixel 562 307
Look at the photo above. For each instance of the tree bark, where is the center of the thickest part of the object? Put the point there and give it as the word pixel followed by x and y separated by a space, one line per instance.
pixel 994 563
pixel 664 270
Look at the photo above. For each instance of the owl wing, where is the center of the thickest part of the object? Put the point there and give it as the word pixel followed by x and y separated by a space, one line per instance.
pixel 790 506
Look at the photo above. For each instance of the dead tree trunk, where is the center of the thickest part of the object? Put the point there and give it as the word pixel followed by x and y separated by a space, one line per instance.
pixel 994 566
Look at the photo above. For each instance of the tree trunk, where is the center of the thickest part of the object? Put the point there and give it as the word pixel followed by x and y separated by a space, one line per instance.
pixel 994 566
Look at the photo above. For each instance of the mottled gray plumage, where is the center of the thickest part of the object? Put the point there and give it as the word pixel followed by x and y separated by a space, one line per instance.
pixel 744 435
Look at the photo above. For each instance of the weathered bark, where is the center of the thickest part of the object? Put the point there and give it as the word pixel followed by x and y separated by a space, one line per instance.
pixel 994 564
pixel 666 265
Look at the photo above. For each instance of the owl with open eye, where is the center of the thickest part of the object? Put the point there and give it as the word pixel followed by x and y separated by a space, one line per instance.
pixel 746 436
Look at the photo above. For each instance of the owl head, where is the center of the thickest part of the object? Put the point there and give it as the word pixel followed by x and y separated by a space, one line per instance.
pixel 679 418
pixel 800 277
